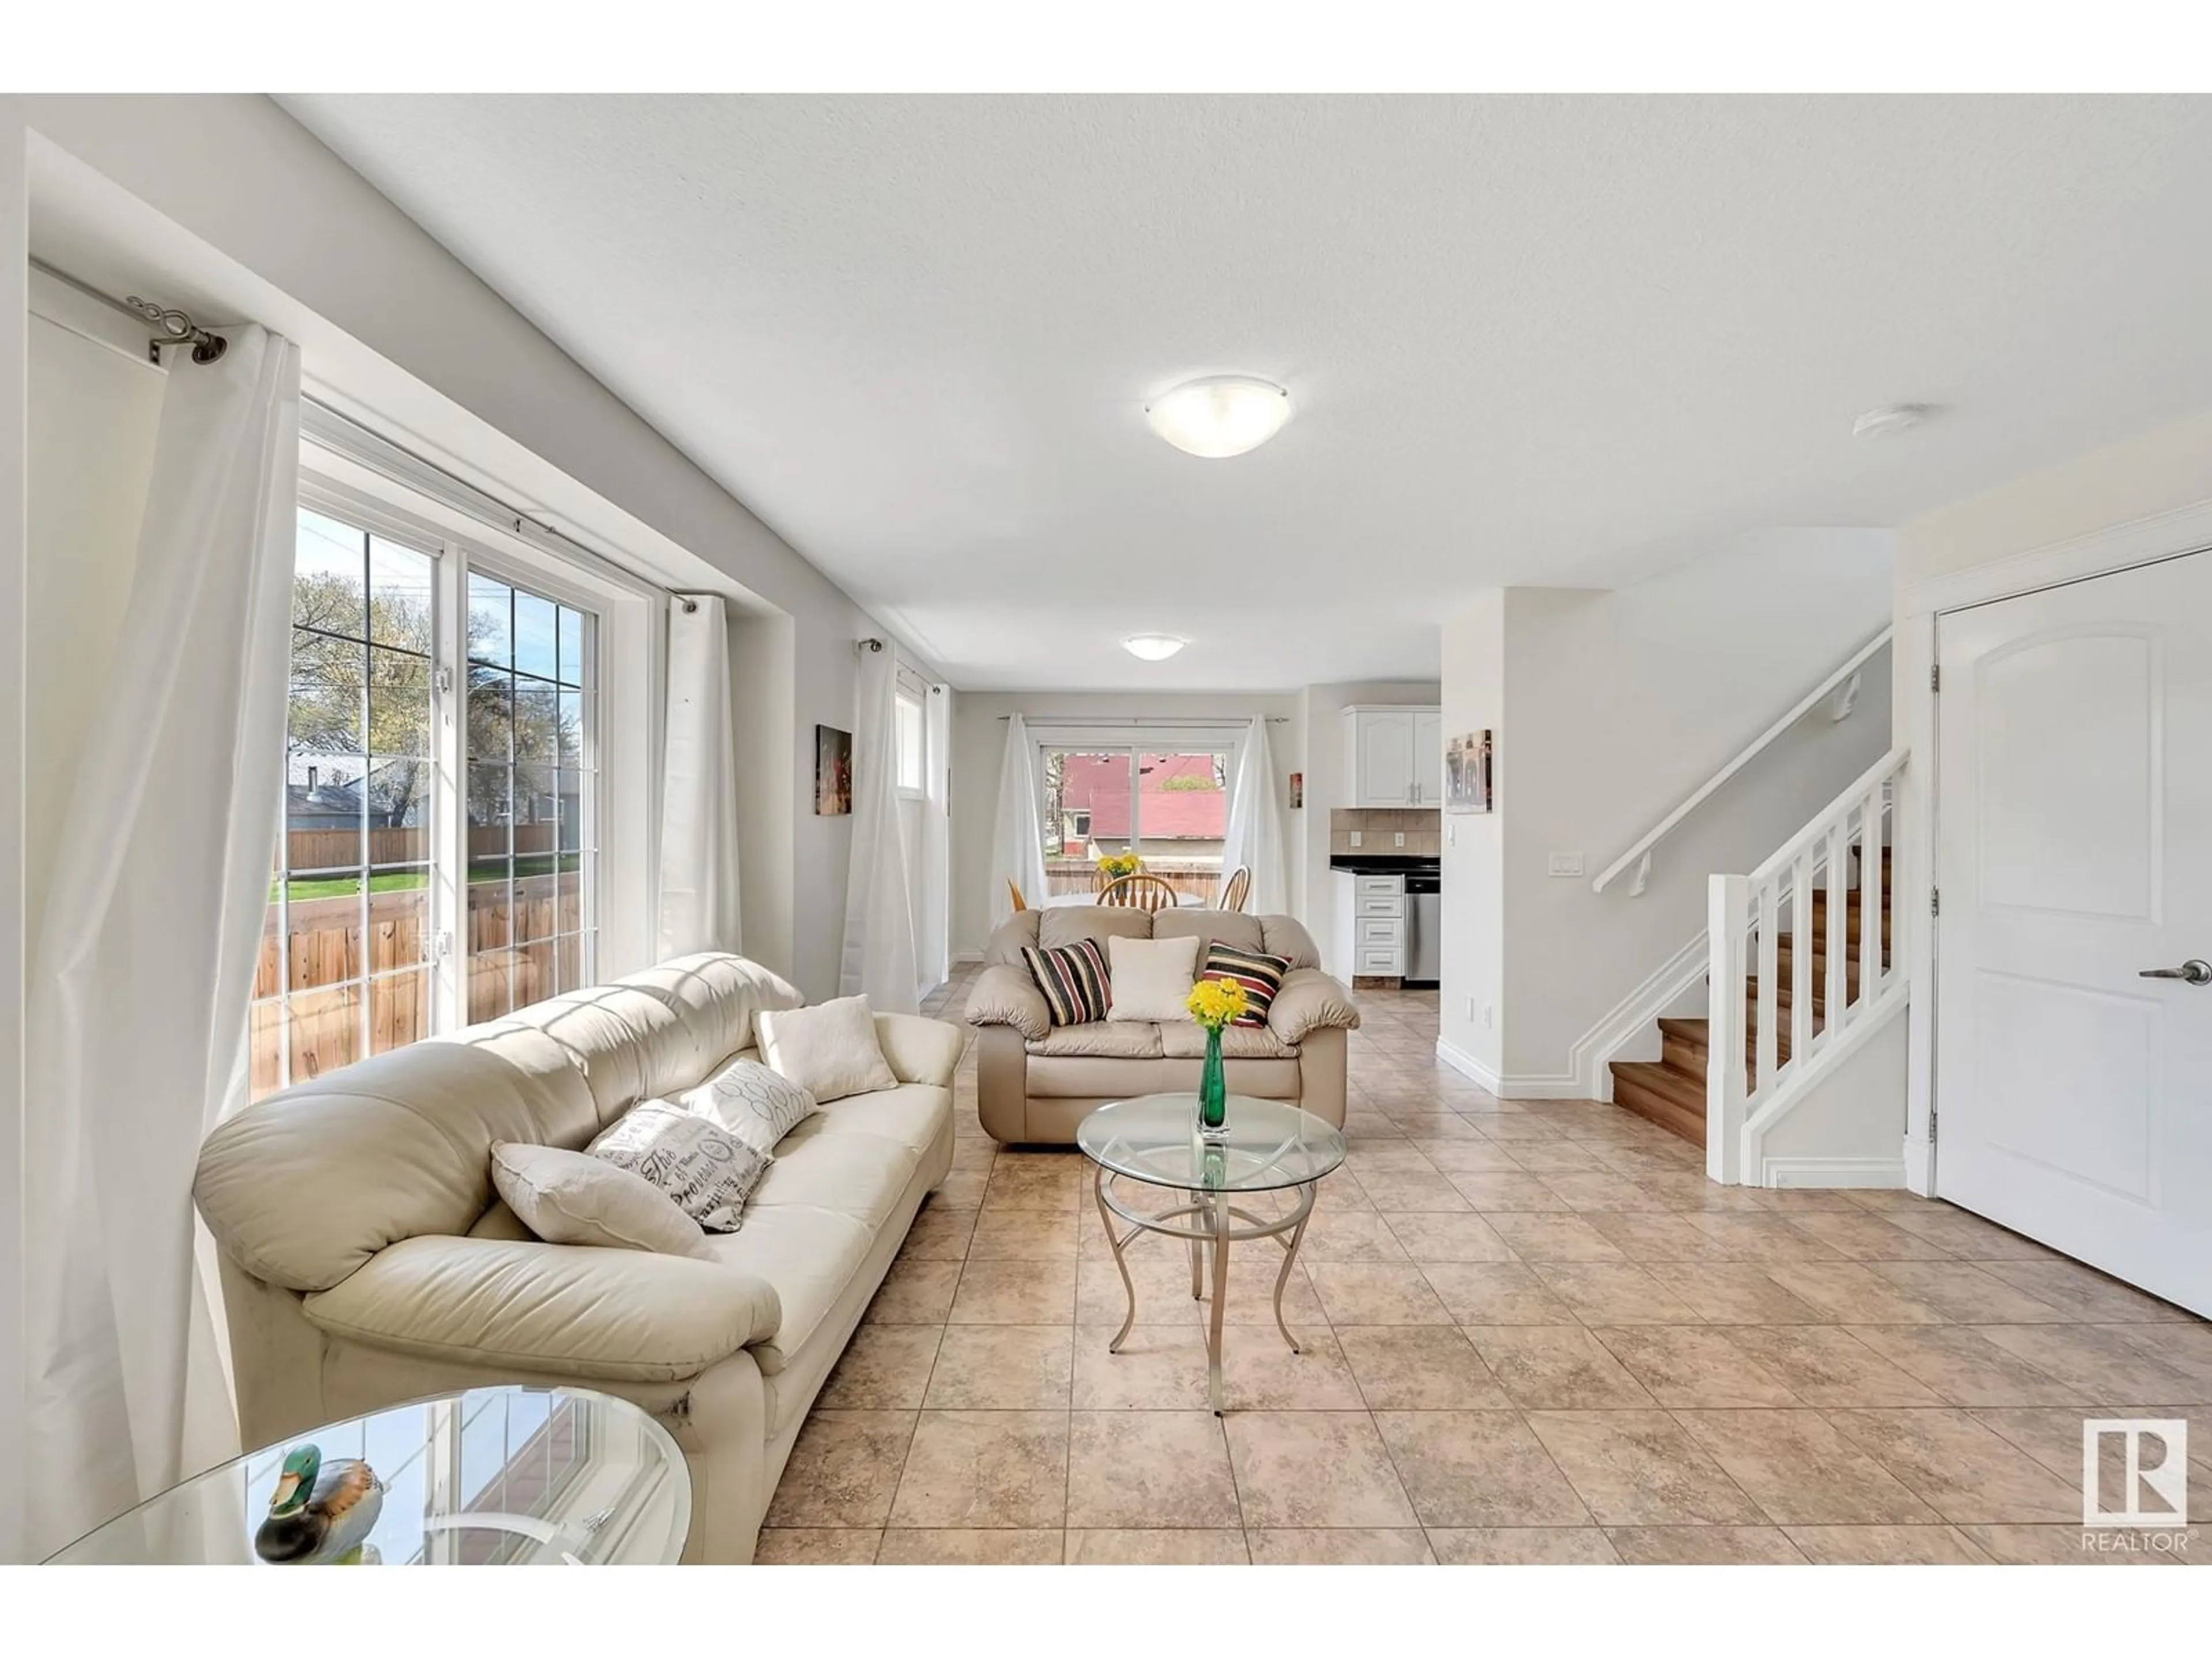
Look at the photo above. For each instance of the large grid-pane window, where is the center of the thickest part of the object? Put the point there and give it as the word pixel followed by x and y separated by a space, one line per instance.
pixel 1170 808
pixel 395 910
pixel 531 788
pixel 344 969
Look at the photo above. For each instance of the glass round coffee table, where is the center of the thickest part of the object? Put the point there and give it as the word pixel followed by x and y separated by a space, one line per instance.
pixel 500 1476
pixel 1270 1147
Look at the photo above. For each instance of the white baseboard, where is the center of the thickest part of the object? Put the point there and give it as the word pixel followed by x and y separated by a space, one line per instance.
pixel 1555 1087
pixel 1832 1172
pixel 1468 1066
pixel 967 958
pixel 1588 1073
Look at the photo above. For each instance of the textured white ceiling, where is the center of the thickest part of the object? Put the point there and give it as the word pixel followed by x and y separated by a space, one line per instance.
pixel 1531 340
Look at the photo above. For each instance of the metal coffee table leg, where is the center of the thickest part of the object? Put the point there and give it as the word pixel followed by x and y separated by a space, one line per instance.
pixel 1114 1244
pixel 1289 1260
pixel 1218 1213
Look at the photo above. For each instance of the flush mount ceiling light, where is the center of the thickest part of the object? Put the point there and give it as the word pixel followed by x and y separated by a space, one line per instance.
pixel 1889 420
pixel 1220 415
pixel 1153 647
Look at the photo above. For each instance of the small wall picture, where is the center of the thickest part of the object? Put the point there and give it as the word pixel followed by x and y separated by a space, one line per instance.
pixel 833 772
pixel 1297 791
pixel 1467 767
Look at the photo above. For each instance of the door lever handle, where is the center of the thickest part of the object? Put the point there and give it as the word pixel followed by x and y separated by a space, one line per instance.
pixel 2195 971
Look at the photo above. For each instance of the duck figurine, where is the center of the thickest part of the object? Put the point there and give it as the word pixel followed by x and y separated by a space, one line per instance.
pixel 319 1513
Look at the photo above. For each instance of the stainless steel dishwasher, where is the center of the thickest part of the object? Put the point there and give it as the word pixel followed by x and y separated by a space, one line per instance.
pixel 1424 936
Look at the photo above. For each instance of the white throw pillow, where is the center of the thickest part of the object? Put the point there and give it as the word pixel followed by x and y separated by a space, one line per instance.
pixel 1152 977
pixel 709 1172
pixel 829 1050
pixel 567 1198
pixel 755 1102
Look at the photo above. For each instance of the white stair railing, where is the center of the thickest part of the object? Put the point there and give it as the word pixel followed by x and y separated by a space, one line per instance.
pixel 1840 853
pixel 1839 690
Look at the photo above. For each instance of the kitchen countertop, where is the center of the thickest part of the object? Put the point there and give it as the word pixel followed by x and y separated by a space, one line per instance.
pixel 1385 864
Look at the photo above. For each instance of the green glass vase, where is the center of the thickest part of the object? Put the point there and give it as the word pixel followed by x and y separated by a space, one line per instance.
pixel 1213 1090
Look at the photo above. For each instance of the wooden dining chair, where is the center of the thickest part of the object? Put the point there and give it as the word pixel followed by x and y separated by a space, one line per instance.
pixel 1020 903
pixel 1237 888
pixel 1140 892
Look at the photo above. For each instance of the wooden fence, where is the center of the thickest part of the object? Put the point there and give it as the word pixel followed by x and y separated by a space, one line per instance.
pixel 1080 876
pixel 340 849
pixel 520 949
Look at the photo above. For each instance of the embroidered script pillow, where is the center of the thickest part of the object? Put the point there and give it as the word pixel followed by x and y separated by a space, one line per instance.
pixel 707 1170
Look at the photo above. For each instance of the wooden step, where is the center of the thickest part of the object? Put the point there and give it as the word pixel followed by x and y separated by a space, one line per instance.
pixel 1685 1045
pixel 1674 1100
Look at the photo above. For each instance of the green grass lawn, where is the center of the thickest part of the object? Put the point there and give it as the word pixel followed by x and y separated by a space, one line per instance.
pixel 398 881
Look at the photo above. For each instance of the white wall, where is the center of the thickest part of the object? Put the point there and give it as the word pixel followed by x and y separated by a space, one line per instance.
pixel 14 513
pixel 264 220
pixel 1614 706
pixel 1472 984
pixel 1321 714
pixel 979 741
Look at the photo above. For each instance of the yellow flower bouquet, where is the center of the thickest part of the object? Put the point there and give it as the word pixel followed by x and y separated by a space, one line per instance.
pixel 1214 1003
pixel 1114 866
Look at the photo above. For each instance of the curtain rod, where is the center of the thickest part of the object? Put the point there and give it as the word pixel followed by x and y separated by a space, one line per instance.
pixel 1157 720
pixel 177 327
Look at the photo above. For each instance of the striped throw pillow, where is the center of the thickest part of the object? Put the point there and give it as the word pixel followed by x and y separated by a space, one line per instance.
pixel 1074 978
pixel 1261 974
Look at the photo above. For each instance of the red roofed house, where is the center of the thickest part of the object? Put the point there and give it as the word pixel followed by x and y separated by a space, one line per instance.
pixel 1182 811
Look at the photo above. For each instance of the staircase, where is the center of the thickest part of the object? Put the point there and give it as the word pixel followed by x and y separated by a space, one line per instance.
pixel 1672 1090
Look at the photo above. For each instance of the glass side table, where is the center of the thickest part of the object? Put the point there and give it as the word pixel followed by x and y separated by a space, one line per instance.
pixel 1271 1147
pixel 501 1476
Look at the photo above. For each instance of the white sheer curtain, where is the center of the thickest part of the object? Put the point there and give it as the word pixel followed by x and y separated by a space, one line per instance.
pixel 1256 826
pixel 880 956
pixel 699 800
pixel 143 970
pixel 1017 833
pixel 935 867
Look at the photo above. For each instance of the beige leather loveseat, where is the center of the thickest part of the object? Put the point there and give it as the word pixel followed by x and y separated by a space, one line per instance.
pixel 366 1260
pixel 1035 1080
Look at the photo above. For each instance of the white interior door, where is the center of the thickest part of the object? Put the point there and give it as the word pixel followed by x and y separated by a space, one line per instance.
pixel 2073 827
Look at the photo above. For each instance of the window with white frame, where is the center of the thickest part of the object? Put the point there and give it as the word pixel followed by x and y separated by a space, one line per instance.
pixel 1168 805
pixel 911 740
pixel 531 791
pixel 441 768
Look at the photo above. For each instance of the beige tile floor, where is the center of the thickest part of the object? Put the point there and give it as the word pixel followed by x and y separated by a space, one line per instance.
pixel 1533 1332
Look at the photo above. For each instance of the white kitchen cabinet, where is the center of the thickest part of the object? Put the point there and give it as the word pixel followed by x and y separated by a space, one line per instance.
pixel 1394 756
pixel 1429 757
pixel 1371 926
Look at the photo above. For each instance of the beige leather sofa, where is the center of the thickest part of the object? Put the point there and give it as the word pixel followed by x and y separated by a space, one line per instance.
pixel 1035 1080
pixel 366 1262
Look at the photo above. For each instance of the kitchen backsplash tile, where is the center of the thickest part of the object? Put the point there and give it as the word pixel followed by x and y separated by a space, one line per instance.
pixel 1378 825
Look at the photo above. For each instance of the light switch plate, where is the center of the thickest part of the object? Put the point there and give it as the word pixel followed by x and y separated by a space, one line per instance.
pixel 1398 838
pixel 1355 838
pixel 1565 864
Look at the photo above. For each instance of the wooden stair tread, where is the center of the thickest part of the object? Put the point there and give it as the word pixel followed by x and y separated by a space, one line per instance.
pixel 1671 1091
pixel 1667 1097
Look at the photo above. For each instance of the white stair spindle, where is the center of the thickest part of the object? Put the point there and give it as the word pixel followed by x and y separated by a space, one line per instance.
pixel 1873 893
pixel 1835 931
pixel 1767 1027
pixel 1728 907
pixel 1802 944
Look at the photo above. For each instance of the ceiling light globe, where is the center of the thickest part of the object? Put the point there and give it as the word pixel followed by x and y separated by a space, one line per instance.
pixel 1153 647
pixel 1221 415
